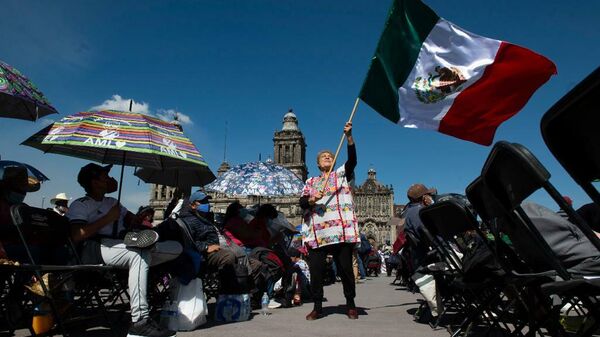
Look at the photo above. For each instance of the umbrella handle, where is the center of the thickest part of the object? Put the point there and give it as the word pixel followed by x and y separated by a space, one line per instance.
pixel 116 223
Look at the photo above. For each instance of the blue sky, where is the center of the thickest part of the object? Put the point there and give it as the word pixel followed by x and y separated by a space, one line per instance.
pixel 247 62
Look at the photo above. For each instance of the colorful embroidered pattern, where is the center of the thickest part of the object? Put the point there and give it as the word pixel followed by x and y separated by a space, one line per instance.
pixel 331 220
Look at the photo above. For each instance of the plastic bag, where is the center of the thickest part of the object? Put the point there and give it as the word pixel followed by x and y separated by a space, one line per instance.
pixel 191 306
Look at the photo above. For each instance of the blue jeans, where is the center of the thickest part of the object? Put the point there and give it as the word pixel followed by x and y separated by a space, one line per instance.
pixel 361 268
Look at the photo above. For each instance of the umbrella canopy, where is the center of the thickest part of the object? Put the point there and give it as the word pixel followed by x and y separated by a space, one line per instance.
pixel 19 97
pixel 116 137
pixel 176 177
pixel 31 171
pixel 257 178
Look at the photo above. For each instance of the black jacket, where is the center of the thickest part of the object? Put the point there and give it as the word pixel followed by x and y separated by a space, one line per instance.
pixel 203 231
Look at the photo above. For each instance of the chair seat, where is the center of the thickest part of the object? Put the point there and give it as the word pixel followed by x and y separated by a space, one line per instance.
pixel 587 287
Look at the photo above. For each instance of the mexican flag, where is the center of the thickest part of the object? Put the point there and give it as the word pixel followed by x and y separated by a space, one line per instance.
pixel 428 73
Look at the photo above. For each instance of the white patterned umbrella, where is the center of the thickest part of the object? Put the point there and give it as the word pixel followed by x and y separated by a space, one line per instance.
pixel 259 179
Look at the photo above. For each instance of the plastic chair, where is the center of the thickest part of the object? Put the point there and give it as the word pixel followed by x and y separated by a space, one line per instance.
pixel 571 131
pixel 512 174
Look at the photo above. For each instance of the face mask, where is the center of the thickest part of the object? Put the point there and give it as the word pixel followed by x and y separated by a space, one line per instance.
pixel 14 198
pixel 112 185
pixel 62 209
pixel 204 208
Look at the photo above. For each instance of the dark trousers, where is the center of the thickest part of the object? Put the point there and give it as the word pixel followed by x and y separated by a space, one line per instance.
pixel 342 256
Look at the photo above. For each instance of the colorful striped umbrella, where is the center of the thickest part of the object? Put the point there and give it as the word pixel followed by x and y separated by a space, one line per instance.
pixel 117 137
pixel 19 97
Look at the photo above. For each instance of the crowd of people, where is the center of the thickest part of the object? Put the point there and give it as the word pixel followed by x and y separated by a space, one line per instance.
pixel 251 250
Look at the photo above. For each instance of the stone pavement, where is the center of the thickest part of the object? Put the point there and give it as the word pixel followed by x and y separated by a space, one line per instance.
pixel 384 309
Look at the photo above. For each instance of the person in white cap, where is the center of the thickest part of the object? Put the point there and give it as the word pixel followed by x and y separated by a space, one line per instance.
pixel 61 203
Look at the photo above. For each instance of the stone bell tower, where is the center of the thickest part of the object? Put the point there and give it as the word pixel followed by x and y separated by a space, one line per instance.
pixel 290 147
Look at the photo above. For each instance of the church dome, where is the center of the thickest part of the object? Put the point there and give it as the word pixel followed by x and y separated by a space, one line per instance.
pixel 290 121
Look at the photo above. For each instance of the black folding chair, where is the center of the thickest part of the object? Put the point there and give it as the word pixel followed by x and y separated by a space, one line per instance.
pixel 512 173
pixel 454 227
pixel 571 131
pixel 75 296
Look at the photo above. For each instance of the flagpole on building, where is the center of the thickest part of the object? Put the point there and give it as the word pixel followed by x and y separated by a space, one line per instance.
pixel 337 152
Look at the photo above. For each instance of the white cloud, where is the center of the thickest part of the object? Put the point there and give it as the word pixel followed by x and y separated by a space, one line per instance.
pixel 46 121
pixel 116 102
pixel 170 114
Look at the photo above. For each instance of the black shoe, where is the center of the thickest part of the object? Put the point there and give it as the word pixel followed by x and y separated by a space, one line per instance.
pixel 148 328
pixel 141 239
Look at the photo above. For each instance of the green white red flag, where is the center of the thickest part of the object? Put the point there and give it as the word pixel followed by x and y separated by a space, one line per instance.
pixel 428 73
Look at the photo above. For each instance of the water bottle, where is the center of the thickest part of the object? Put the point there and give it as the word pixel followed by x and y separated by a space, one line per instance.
pixel 42 320
pixel 264 304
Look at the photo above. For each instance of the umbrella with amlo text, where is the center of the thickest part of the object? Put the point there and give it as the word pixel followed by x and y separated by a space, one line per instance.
pixel 117 137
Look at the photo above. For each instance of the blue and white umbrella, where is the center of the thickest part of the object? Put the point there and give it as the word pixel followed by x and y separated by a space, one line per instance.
pixel 258 179
pixel 31 171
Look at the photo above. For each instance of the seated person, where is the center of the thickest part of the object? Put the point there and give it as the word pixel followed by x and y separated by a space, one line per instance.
pixel 566 240
pixel 96 219
pixel 14 186
pixel 255 233
pixel 234 222
pixel 591 214
pixel 302 280
pixel 205 235
pixel 60 202
pixel 146 215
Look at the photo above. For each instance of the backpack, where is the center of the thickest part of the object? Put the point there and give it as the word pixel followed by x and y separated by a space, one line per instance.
pixel 238 283
pixel 271 266
pixel 479 263
pixel 365 246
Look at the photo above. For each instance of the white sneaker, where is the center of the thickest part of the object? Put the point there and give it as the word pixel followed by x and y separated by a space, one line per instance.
pixel 274 304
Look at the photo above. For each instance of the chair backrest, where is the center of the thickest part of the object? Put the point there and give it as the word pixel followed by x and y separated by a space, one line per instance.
pixel 483 201
pixel 493 215
pixel 570 130
pixel 41 227
pixel 448 218
pixel 512 173
pixel 445 222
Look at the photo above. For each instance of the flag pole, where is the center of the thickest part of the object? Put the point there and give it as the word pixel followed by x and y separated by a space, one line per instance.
pixel 337 152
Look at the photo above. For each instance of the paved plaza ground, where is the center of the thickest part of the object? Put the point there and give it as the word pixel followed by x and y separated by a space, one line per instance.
pixel 385 310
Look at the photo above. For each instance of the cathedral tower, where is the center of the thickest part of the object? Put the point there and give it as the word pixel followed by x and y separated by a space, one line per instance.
pixel 290 147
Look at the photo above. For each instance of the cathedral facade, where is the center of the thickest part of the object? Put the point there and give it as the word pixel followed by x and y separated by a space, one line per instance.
pixel 374 202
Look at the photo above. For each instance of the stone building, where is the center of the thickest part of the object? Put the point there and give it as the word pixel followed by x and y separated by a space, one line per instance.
pixel 289 147
pixel 374 207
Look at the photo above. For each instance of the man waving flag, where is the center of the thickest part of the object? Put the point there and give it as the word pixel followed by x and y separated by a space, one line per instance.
pixel 429 73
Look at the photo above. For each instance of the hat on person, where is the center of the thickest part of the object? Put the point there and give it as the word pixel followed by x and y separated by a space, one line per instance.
pixel 17 179
pixel 144 209
pixel 59 197
pixel 293 252
pixel 416 191
pixel 200 196
pixel 89 172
